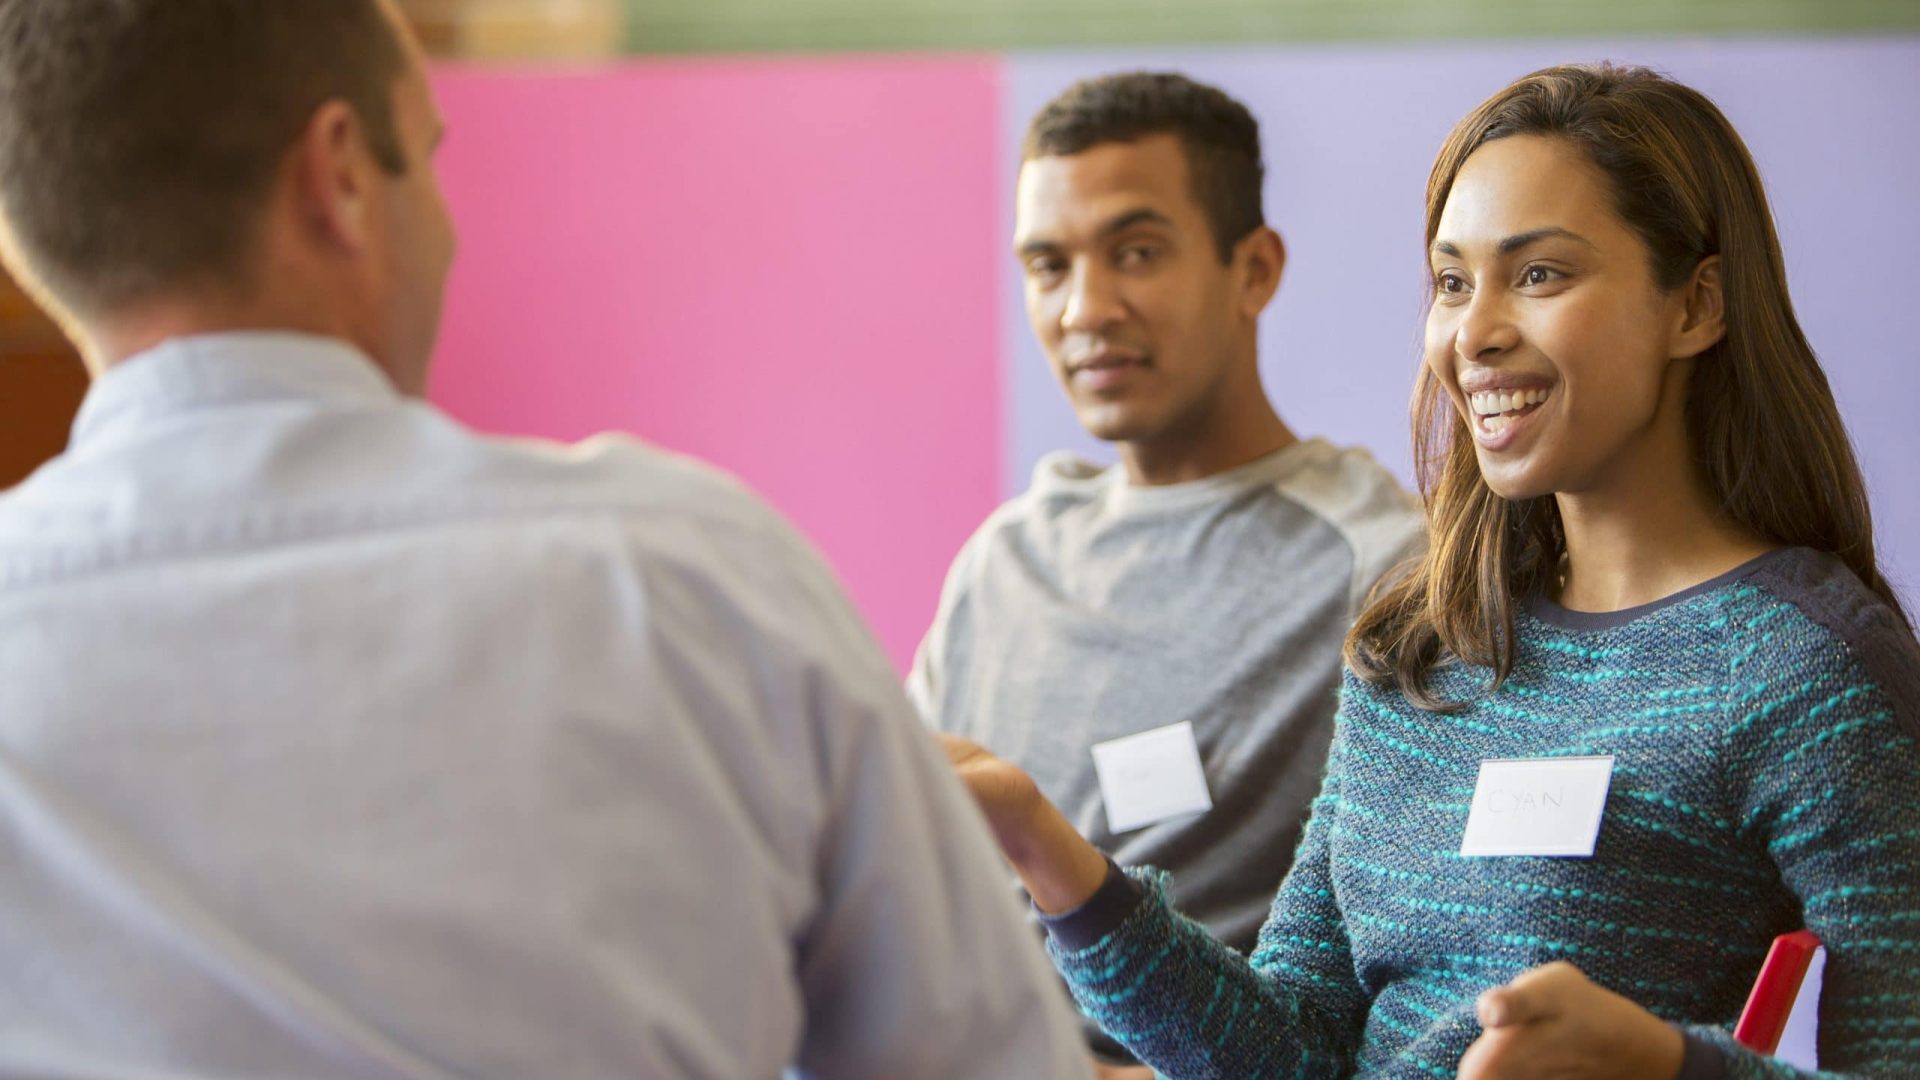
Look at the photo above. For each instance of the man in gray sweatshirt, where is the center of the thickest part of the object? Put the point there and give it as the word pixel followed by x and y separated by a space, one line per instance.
pixel 1158 643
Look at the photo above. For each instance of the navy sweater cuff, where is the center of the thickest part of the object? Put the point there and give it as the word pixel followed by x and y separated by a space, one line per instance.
pixel 1118 897
pixel 1702 1060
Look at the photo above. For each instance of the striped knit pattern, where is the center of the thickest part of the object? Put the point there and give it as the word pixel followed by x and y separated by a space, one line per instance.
pixel 1767 777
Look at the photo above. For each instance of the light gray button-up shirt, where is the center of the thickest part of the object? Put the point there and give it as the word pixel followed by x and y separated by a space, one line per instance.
pixel 336 740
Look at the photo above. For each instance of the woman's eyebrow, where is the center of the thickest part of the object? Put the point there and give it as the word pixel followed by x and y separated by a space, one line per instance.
pixel 1517 241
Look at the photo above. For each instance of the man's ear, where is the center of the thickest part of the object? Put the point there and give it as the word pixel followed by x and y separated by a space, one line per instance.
pixel 1703 315
pixel 1263 258
pixel 332 178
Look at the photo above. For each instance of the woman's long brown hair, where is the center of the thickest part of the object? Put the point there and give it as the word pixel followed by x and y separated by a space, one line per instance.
pixel 1760 416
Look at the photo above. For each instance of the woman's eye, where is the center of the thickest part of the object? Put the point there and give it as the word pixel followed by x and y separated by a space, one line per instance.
pixel 1449 283
pixel 1536 275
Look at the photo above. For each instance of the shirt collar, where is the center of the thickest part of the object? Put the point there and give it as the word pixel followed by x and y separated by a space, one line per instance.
pixel 229 368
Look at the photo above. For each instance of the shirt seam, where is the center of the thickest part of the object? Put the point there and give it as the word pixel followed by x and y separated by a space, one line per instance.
pixel 187 541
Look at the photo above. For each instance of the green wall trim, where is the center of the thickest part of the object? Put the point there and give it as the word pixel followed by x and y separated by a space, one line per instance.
pixel 735 26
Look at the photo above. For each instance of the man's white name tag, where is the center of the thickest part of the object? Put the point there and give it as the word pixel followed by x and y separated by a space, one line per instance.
pixel 1538 806
pixel 1151 777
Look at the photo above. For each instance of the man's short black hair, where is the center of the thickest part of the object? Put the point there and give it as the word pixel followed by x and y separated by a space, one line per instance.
pixel 1222 139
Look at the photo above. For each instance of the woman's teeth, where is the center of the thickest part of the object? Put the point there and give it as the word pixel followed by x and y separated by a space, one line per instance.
pixel 1495 402
pixel 1497 409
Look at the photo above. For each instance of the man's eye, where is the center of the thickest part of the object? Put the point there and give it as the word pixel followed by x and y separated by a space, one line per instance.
pixel 1137 254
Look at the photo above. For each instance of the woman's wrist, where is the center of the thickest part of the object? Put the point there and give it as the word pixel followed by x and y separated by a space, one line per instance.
pixel 1060 869
pixel 1664 1051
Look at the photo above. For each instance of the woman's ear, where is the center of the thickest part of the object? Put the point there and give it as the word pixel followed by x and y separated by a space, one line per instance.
pixel 1703 315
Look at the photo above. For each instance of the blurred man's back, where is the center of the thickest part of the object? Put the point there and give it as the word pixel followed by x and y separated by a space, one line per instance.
pixel 336 740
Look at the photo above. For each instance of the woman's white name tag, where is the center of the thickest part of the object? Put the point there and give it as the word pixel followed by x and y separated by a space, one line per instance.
pixel 1538 806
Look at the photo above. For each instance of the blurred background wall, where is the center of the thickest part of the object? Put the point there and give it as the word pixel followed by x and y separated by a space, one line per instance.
pixel 41 383
pixel 732 26
pixel 774 233
pixel 792 257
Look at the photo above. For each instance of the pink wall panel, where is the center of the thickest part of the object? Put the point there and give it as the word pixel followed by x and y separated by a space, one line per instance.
pixel 787 268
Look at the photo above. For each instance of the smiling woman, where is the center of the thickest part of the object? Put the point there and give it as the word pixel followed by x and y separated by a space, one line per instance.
pixel 1651 591
pixel 1600 242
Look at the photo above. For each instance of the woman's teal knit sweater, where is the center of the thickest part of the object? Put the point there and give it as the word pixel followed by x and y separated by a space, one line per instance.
pixel 1767 777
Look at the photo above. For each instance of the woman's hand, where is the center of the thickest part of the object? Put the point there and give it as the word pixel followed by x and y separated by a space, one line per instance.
pixel 1555 1022
pixel 1006 794
pixel 1059 868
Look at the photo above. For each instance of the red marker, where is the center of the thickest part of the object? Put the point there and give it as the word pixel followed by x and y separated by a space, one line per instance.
pixel 1768 1007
